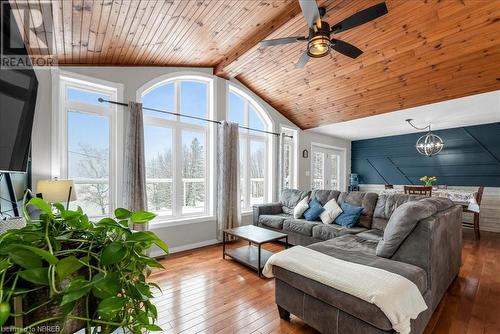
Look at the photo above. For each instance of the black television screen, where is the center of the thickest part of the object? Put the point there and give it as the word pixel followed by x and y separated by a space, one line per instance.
pixel 18 90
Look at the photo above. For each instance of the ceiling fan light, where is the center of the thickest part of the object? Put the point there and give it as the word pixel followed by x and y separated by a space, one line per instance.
pixel 318 46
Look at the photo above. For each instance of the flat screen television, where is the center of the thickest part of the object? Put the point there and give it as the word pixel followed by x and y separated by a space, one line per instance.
pixel 18 91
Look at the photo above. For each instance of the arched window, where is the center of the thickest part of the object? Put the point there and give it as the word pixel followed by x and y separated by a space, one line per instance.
pixel 177 148
pixel 254 147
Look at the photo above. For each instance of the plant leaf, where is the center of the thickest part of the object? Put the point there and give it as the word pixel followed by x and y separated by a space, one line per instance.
pixel 42 205
pixel 142 236
pixel 70 215
pixel 109 307
pixel 25 259
pixel 36 275
pixel 106 286
pixel 113 253
pixel 59 207
pixel 122 213
pixel 141 217
pixel 73 295
pixel 40 252
pixel 144 289
pixel 154 328
pixel 4 264
pixel 67 266
pixel 4 312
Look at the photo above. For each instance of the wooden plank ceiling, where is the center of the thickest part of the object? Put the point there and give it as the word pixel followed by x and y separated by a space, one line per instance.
pixel 421 52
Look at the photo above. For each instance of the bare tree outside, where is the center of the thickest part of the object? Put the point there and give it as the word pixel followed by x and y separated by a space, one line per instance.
pixel 93 164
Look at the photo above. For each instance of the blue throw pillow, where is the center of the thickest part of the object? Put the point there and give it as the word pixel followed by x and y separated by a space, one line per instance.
pixel 315 209
pixel 349 216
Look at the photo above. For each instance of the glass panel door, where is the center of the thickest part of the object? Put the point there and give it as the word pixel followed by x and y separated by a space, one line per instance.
pixel 327 168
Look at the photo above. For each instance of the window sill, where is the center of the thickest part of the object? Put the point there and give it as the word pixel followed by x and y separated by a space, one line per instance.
pixel 247 213
pixel 163 222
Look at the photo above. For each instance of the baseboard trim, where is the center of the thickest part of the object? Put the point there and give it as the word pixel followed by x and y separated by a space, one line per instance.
pixel 159 252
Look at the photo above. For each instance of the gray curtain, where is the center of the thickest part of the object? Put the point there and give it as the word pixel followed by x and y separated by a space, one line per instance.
pixel 134 173
pixel 228 179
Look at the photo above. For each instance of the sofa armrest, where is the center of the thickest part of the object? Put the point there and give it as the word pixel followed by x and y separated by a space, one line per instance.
pixel 266 209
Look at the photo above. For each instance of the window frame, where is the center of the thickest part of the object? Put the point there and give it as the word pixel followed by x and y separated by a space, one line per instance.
pixel 250 136
pixel 62 105
pixel 177 127
pixel 293 142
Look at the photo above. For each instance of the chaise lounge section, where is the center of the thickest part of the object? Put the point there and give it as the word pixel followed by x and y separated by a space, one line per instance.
pixel 429 255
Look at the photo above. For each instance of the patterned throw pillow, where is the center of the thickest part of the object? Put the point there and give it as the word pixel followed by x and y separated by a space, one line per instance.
pixel 315 209
pixel 332 211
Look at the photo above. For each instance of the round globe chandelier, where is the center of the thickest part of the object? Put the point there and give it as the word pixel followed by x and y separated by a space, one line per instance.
pixel 429 144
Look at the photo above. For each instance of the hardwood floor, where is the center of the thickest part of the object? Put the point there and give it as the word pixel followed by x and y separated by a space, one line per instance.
pixel 202 293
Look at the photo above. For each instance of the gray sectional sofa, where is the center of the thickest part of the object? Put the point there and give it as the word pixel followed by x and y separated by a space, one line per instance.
pixel 428 254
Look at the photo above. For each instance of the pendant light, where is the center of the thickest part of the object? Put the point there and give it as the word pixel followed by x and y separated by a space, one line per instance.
pixel 429 144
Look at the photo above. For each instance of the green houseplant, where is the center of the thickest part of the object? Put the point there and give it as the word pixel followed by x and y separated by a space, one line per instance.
pixel 92 275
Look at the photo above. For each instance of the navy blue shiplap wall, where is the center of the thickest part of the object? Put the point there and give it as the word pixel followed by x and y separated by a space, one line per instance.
pixel 470 157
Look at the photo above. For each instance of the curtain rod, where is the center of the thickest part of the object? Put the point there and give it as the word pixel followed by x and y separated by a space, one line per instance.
pixel 101 100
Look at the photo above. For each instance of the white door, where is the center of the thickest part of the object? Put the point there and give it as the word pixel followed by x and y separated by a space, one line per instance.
pixel 327 168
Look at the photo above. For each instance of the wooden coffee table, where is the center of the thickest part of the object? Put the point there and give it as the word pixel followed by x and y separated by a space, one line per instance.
pixel 252 256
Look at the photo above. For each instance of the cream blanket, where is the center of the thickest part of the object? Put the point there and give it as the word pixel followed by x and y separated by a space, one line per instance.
pixel 395 295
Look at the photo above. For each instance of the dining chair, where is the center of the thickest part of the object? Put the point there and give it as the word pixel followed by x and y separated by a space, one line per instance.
pixel 475 223
pixel 389 186
pixel 419 190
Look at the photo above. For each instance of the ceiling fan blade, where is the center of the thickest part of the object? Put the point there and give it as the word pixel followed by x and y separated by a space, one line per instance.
pixel 364 16
pixel 284 40
pixel 345 48
pixel 302 60
pixel 311 12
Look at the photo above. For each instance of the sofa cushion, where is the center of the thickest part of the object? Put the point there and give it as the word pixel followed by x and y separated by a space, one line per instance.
pixel 324 196
pixel 329 231
pixel 368 313
pixel 365 200
pixel 290 198
pixel 355 249
pixel 404 219
pixel 332 211
pixel 314 211
pixel 386 204
pixel 372 234
pixel 301 207
pixel 300 226
pixel 349 216
pixel 274 221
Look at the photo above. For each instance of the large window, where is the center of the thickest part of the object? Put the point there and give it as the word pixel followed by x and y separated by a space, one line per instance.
pixel 177 148
pixel 87 147
pixel 254 157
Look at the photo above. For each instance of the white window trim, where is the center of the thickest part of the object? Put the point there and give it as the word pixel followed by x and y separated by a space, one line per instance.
pixel 295 161
pixel 177 127
pixel 254 135
pixel 62 79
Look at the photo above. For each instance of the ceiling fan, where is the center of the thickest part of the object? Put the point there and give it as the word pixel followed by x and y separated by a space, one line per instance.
pixel 319 42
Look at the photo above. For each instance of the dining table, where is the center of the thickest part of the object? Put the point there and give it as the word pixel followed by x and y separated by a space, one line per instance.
pixel 459 196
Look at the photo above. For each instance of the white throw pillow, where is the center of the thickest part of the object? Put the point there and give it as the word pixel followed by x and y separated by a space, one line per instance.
pixel 332 210
pixel 301 207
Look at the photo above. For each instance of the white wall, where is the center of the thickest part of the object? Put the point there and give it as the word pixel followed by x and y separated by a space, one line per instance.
pixel 182 235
